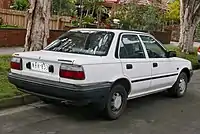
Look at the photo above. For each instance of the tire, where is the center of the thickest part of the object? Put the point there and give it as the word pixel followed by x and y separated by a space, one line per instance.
pixel 180 87
pixel 116 102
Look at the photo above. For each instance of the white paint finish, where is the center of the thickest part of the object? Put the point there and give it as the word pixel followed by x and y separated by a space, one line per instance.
pixel 109 69
pixel 141 70
pixel 164 68
pixel 104 70
pixel 42 75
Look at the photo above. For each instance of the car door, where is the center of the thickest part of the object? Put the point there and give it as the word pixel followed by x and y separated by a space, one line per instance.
pixel 134 62
pixel 164 72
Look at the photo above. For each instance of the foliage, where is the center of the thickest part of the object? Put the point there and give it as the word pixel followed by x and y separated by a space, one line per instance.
pixel 151 18
pixel 191 57
pixel 6 89
pixel 91 5
pixel 133 16
pixel 173 13
pixel 64 7
pixel 197 33
pixel 21 5
pixel 8 26
pixel 75 23
pixel 88 19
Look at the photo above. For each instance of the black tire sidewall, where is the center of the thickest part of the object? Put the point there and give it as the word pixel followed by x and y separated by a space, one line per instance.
pixel 176 87
pixel 116 89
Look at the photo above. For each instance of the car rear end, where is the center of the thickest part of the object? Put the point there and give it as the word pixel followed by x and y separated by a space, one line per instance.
pixel 44 78
pixel 57 75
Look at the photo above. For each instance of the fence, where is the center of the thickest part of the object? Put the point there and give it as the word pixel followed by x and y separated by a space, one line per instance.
pixel 18 18
pixel 16 37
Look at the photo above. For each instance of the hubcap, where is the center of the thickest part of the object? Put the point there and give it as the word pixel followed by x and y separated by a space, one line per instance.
pixel 182 86
pixel 116 101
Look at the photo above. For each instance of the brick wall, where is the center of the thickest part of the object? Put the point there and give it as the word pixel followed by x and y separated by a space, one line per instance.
pixel 16 37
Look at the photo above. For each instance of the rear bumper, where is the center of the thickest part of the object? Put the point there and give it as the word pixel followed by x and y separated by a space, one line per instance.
pixel 68 93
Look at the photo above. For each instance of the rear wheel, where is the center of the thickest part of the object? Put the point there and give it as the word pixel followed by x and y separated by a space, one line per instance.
pixel 116 102
pixel 180 87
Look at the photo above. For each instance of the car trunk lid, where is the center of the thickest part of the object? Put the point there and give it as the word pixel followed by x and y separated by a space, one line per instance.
pixel 46 64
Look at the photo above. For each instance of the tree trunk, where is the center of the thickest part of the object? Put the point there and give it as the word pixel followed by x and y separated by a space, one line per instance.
pixel 99 18
pixel 93 9
pixel 38 25
pixel 189 19
pixel 87 12
pixel 187 36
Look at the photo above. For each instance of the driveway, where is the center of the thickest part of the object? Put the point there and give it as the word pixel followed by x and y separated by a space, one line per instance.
pixel 155 114
pixel 196 44
pixel 10 50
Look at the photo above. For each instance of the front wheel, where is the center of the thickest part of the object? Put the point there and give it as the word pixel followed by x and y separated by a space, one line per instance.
pixel 180 87
pixel 116 102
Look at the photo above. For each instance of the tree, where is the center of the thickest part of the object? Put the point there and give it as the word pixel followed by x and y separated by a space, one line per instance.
pixel 189 19
pixel 133 16
pixel 20 5
pixel 38 25
pixel 173 12
pixel 151 18
pixel 64 7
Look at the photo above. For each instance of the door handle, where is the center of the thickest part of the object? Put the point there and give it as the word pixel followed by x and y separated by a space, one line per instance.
pixel 129 66
pixel 155 64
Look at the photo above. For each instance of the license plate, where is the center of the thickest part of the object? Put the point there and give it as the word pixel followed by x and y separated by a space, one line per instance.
pixel 38 66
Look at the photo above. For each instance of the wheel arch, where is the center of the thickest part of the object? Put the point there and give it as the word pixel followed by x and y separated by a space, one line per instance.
pixel 125 82
pixel 187 71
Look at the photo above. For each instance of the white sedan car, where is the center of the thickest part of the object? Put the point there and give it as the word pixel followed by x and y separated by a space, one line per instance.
pixel 104 67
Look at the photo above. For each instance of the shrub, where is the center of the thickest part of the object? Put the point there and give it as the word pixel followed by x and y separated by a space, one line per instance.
pixel 21 5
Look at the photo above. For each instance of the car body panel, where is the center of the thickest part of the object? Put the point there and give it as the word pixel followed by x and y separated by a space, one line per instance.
pixel 108 68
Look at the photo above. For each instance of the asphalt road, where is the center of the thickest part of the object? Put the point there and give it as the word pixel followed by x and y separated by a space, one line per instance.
pixel 155 114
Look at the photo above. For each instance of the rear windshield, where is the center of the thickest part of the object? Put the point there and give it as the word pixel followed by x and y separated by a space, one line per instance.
pixel 83 42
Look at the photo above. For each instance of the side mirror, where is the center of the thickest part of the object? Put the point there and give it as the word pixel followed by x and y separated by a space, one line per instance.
pixel 171 54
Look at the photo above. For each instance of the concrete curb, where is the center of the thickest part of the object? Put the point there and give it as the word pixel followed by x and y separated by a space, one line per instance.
pixel 18 101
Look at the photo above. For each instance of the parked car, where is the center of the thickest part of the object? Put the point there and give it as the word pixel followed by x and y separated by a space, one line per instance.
pixel 198 54
pixel 104 67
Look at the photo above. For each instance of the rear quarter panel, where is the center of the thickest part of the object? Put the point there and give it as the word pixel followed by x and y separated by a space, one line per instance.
pixel 104 70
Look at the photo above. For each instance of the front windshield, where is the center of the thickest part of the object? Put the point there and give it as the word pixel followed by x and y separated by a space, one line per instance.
pixel 83 42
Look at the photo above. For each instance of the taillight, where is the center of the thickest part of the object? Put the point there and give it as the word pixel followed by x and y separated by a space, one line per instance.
pixel 198 50
pixel 75 72
pixel 16 63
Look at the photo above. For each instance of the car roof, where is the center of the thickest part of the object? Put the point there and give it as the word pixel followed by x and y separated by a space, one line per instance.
pixel 109 30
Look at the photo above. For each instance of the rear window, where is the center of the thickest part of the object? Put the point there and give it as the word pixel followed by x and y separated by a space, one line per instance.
pixel 83 42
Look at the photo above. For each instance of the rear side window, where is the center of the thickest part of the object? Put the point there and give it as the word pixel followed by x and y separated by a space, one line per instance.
pixel 131 47
pixel 83 42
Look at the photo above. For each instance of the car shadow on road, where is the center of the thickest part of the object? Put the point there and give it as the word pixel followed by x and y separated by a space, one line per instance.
pixel 135 107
